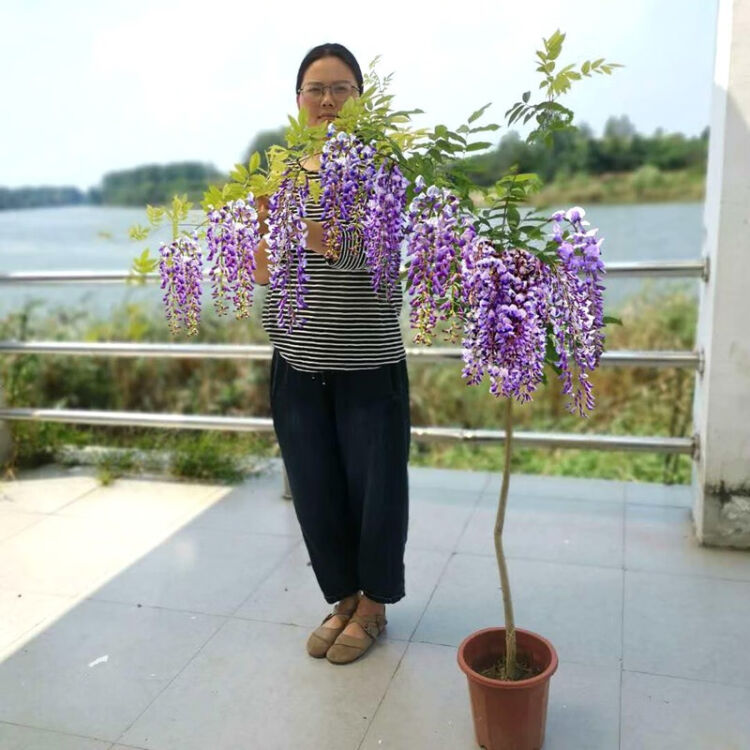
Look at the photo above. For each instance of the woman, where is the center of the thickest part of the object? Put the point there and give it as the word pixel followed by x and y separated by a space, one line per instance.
pixel 340 404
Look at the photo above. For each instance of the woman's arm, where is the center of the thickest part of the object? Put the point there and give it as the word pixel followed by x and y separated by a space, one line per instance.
pixel 261 274
pixel 352 254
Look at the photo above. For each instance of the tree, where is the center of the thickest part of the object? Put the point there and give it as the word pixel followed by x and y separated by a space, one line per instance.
pixel 619 127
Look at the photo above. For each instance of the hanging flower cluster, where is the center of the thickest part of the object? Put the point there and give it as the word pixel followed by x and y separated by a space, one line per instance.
pixel 507 300
pixel 286 250
pixel 347 169
pixel 384 226
pixel 576 306
pixel 233 235
pixel 181 271
pixel 505 321
pixel 356 192
pixel 436 234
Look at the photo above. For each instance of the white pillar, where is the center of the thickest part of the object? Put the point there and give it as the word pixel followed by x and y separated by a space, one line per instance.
pixel 721 409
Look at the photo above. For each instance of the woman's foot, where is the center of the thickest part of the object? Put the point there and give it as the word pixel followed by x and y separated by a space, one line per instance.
pixel 321 639
pixel 345 605
pixel 366 607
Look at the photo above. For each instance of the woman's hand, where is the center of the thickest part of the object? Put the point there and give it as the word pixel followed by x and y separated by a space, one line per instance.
pixel 261 203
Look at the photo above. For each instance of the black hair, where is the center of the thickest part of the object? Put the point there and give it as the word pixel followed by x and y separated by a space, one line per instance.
pixel 330 49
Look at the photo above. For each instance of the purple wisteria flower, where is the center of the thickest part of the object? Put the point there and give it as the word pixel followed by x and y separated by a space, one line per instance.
pixel 181 271
pixel 437 232
pixel 383 226
pixel 576 306
pixel 287 240
pixel 347 172
pixel 505 319
pixel 233 235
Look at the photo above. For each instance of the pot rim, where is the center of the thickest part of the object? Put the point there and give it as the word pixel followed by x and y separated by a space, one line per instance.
pixel 507 684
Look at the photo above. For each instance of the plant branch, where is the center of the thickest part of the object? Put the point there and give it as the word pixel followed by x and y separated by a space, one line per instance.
pixel 510 629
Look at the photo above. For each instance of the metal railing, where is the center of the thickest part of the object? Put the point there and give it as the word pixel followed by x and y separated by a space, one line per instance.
pixel 680 359
pixel 662 268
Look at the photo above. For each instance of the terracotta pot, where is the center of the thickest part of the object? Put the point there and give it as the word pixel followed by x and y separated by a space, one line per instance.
pixel 507 715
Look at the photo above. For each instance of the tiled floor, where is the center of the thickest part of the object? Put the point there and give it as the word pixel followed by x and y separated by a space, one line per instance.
pixel 173 616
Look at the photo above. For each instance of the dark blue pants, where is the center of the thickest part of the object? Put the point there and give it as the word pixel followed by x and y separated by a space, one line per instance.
pixel 344 439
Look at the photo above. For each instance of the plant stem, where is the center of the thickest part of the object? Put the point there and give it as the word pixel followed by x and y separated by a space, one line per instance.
pixel 510 629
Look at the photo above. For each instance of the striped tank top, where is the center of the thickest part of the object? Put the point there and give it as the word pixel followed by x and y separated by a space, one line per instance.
pixel 349 326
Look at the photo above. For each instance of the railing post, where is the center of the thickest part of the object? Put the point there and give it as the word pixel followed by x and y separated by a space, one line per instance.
pixel 287 491
pixel 6 439
pixel 721 409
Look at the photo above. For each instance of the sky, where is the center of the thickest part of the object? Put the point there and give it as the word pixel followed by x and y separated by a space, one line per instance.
pixel 93 87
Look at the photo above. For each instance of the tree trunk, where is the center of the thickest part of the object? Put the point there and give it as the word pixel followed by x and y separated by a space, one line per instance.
pixel 510 628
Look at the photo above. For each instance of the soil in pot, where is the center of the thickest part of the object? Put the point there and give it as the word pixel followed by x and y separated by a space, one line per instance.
pixel 524 669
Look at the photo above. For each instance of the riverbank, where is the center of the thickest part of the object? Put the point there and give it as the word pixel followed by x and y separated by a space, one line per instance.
pixel 646 185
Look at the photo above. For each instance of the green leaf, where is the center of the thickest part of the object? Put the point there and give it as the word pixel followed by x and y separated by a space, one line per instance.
pixel 254 162
pixel 155 214
pixel 526 96
pixel 611 319
pixel 478 146
pixel 476 115
pixel 239 173
pixel 137 232
pixel 483 128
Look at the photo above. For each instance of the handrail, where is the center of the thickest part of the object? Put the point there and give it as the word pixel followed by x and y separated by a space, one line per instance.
pixel 686 446
pixel 683 359
pixel 623 358
pixel 665 268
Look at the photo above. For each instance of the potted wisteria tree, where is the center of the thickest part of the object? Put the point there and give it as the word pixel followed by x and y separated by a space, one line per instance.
pixel 521 290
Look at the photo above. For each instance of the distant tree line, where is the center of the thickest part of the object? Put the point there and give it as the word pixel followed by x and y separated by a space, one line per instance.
pixel 151 183
pixel 619 149
pixel 156 183
pixel 33 197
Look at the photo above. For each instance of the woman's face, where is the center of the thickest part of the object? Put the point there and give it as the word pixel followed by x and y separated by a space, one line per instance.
pixel 332 76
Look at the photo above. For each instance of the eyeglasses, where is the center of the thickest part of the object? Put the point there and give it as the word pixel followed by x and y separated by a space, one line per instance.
pixel 339 91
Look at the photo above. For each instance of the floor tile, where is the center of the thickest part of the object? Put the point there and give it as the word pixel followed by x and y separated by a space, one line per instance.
pixel 199 569
pixel 665 713
pixel 23 613
pixel 695 628
pixel 96 669
pixel 561 488
pixel 254 685
pixel 46 489
pixel 578 608
pixel 557 530
pixel 14 737
pixel 653 493
pixel 427 706
pixel 69 556
pixel 468 481
pixel 662 539
pixel 438 517
pixel 291 593
pixel 13 521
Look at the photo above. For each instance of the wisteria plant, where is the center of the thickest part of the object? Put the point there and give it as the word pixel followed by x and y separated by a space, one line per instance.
pixel 521 290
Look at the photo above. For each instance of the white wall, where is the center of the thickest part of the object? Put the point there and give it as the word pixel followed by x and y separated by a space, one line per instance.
pixel 721 478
